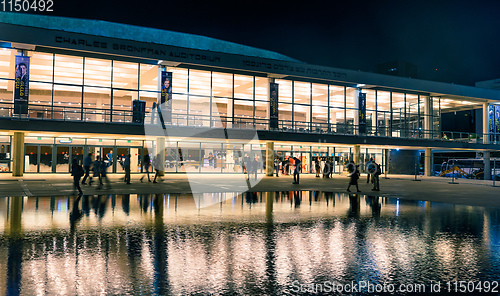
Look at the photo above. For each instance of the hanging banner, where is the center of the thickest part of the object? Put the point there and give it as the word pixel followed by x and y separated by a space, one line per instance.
pixel 273 102
pixel 362 112
pixel 21 85
pixel 491 119
pixel 166 97
pixel 497 120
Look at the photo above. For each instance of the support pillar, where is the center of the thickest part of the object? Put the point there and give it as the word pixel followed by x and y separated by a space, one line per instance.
pixel 428 162
pixel 487 165
pixel 427 118
pixel 486 130
pixel 269 158
pixel 160 152
pixel 18 154
pixel 357 154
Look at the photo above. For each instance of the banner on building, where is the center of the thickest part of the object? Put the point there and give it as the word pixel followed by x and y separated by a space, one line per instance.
pixel 273 102
pixel 166 97
pixel 21 85
pixel 491 119
pixel 497 120
pixel 362 112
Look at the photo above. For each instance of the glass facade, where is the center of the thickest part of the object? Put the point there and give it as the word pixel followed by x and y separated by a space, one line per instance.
pixel 90 89
pixel 65 87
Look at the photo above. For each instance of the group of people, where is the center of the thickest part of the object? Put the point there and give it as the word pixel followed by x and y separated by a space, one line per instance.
pixel 251 165
pixel 285 165
pixel 99 167
pixel 373 170
pixel 327 168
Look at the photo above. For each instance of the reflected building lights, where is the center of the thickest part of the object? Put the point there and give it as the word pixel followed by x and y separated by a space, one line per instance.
pixel 206 243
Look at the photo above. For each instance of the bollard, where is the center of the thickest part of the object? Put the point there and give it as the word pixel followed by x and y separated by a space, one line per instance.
pixel 416 169
pixel 453 176
pixel 494 170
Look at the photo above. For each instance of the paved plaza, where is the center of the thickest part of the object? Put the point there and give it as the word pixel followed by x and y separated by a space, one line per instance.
pixel 436 189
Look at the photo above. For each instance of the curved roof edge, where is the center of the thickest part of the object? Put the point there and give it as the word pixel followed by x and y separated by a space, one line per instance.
pixel 137 33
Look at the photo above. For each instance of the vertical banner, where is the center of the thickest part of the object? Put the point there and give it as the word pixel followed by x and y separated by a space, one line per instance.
pixel 497 121
pixel 491 119
pixel 166 97
pixel 21 87
pixel 273 104
pixel 362 112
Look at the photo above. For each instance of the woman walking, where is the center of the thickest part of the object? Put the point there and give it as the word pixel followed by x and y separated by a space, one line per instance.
pixel 146 162
pixel 354 176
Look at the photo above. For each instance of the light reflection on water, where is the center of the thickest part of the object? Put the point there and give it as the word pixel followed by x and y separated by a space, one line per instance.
pixel 216 244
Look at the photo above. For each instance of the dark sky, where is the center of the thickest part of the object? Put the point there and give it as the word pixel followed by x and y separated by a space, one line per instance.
pixel 451 41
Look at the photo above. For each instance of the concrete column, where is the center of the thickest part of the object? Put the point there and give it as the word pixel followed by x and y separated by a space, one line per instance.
pixel 357 154
pixel 269 158
pixel 386 161
pixel 18 154
pixel 160 152
pixel 487 165
pixel 428 162
pixel 486 130
pixel 427 117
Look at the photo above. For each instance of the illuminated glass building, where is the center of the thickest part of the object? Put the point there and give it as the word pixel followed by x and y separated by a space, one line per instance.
pixel 84 76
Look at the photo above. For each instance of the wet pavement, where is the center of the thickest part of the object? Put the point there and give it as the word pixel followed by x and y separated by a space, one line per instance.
pixel 257 243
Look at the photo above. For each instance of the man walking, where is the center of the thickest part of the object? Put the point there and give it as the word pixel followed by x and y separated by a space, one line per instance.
pixel 277 165
pixel 366 168
pixel 126 165
pixel 77 173
pixel 87 162
pixel 97 170
pixel 376 177
pixel 296 171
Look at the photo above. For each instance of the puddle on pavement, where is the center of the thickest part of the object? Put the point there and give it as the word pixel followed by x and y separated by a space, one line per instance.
pixel 264 243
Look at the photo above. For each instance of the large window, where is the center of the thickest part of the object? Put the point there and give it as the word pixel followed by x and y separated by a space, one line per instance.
pixel 337 108
pixel 97 72
pixel 68 70
pixel 125 75
pixel 41 66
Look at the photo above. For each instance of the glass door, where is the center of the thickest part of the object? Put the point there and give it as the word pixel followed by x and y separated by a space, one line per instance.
pixel 62 159
pixel 31 159
pixel 45 163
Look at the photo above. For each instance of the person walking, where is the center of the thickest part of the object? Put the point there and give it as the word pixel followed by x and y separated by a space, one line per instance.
pixel 277 165
pixel 255 166
pixel 157 165
pixel 147 164
pixel 97 170
pixel 104 175
pixel 354 175
pixel 87 163
pixel 296 171
pixel 126 166
pixel 77 173
pixel 366 168
pixel 376 177
pixel 317 167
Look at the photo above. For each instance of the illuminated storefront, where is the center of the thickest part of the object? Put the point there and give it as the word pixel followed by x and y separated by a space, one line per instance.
pixel 90 81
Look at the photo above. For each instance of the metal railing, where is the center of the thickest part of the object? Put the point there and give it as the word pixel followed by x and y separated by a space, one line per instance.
pixel 79 114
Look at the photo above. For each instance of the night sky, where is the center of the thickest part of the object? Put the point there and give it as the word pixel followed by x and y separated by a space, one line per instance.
pixel 450 41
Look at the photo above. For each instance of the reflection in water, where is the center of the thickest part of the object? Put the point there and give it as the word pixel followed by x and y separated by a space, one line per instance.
pixel 254 243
